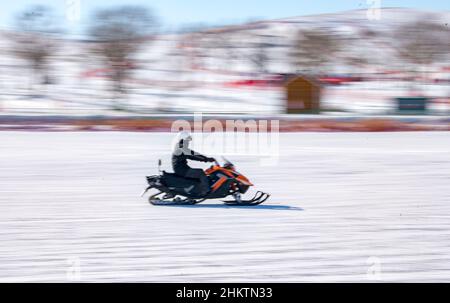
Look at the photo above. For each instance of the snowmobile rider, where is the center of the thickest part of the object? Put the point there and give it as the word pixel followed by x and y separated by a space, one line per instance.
pixel 181 153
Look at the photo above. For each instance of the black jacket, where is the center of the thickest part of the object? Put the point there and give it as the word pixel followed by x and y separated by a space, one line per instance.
pixel 182 154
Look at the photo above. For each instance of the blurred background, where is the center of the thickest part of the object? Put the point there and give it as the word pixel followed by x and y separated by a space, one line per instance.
pixel 372 57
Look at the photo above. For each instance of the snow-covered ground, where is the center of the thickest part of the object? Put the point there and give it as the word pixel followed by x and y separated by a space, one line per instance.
pixel 344 207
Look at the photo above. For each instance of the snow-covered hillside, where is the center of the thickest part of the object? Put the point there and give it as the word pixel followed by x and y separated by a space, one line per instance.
pixel 198 71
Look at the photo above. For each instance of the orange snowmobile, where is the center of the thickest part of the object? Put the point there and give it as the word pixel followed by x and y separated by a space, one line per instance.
pixel 224 181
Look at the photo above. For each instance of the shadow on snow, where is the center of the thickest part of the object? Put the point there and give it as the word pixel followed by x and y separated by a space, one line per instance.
pixel 257 207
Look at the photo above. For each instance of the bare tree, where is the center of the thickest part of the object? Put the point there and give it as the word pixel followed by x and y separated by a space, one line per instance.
pixel 35 41
pixel 355 55
pixel 223 47
pixel 422 43
pixel 259 58
pixel 313 50
pixel 119 33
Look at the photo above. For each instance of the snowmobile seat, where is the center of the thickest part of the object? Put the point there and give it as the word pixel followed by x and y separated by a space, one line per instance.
pixel 174 180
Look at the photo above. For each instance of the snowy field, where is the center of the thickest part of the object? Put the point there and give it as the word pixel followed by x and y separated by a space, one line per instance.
pixel 350 207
